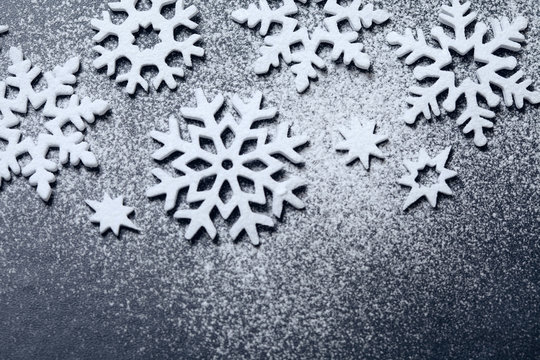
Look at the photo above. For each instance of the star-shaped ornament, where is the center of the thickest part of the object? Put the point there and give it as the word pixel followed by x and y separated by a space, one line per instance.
pixel 430 192
pixel 111 214
pixel 361 142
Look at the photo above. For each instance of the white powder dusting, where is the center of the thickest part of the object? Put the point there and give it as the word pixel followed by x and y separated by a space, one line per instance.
pixel 351 276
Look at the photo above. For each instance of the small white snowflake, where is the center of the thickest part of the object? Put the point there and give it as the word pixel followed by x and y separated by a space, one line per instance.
pixel 505 35
pixel 227 166
pixel 156 56
pixel 306 59
pixel 72 148
pixel 111 214
pixel 361 142
pixel 430 192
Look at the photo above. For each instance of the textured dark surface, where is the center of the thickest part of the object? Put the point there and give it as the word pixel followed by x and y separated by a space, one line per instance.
pixel 352 276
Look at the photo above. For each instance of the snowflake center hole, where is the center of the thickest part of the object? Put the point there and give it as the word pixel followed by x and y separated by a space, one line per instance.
pixel 32 123
pixel 428 176
pixel 227 164
pixel 147 38
pixel 309 16
pixel 143 5
pixel 464 67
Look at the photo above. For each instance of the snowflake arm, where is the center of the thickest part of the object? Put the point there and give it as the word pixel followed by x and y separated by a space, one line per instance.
pixel 3 29
pixel 265 16
pixel 23 75
pixel 457 17
pixel 156 56
pixel 78 113
pixel 419 191
pixel 358 17
pixel 507 35
pixel 361 143
pixel 424 99
pixel 227 165
pixel 40 170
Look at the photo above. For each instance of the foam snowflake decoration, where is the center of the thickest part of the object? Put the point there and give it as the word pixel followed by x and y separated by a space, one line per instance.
pixel 228 166
pixel 361 142
pixel 306 59
pixel 505 35
pixel 431 192
pixel 3 29
pixel 156 56
pixel 111 214
pixel 72 147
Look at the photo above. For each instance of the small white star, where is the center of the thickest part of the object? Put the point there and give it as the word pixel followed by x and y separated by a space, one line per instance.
pixel 430 192
pixel 361 143
pixel 111 214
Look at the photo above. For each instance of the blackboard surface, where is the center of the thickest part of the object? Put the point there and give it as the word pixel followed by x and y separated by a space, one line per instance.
pixel 351 276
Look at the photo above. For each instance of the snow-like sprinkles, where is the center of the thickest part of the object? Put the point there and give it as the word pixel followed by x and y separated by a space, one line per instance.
pixel 351 275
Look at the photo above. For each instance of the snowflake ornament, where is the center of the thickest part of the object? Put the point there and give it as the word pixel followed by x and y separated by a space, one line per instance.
pixel 430 192
pixel 77 114
pixel 361 142
pixel 157 56
pixel 111 214
pixel 306 60
pixel 228 165
pixel 505 35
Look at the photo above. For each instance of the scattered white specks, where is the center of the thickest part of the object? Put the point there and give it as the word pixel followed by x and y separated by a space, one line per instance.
pixel 351 276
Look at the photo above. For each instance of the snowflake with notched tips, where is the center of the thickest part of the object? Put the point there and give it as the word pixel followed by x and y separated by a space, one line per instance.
pixel 505 35
pixel 306 60
pixel 228 164
pixel 157 56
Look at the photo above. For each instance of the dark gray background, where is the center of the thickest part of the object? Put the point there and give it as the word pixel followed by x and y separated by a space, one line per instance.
pixel 351 276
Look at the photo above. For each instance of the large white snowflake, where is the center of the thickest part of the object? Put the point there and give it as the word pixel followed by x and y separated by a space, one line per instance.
pixel 306 59
pixel 228 165
pixel 40 169
pixel 505 35
pixel 156 56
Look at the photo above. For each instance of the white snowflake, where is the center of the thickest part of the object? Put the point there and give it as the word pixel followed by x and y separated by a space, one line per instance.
pixel 156 56
pixel 3 29
pixel 361 142
pixel 431 192
pixel 40 169
pixel 306 59
pixel 111 214
pixel 227 166
pixel 505 35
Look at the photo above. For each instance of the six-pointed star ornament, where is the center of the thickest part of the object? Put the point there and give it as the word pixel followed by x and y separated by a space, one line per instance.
pixel 430 192
pixel 111 214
